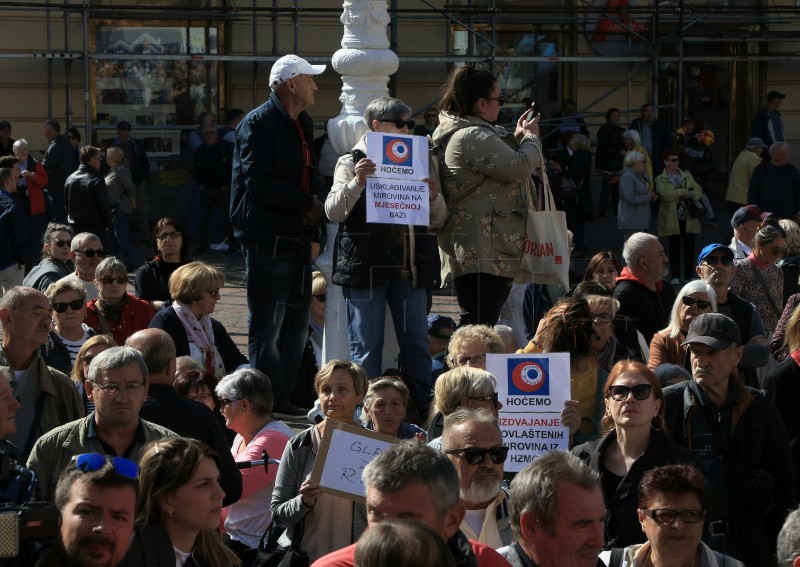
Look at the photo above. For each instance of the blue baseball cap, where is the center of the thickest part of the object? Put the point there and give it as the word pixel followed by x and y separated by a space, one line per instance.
pixel 710 248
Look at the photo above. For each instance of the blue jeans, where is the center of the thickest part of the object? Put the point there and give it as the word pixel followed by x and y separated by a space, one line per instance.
pixel 279 301
pixel 366 312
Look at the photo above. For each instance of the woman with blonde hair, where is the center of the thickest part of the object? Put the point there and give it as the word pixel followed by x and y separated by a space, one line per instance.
pixel 69 332
pixel 80 370
pixel 470 344
pixel 179 508
pixel 122 195
pixel 194 288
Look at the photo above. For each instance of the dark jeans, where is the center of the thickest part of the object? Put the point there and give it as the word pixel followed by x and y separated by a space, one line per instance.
pixel 218 198
pixel 481 297
pixel 59 205
pixel 279 301
pixel 608 189
pixel 675 242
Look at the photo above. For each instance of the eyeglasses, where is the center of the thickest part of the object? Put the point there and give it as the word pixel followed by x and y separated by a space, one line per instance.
pixel 168 235
pixel 665 516
pixel 61 307
pixel 619 393
pixel 90 462
pixel 108 280
pixel 475 455
pixel 602 319
pixel 778 250
pixel 501 100
pixel 224 402
pixel 114 389
pixel 714 260
pixel 213 292
pixel 61 243
pixel 89 253
pixel 474 359
pixel 491 398
pixel 202 398
pixel 320 298
pixel 690 301
pixel 401 123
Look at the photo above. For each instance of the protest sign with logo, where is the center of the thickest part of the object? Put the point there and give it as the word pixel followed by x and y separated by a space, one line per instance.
pixel 532 389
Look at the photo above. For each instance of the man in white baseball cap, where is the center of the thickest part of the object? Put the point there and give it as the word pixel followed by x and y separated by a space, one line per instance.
pixel 274 210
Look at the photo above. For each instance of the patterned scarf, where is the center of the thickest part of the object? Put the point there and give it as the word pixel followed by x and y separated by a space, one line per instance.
pixel 201 333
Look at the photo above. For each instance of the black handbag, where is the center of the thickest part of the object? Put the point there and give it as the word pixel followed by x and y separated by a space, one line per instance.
pixel 694 208
pixel 569 189
pixel 261 556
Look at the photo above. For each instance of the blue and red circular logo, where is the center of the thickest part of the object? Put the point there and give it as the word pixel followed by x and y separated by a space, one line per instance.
pixel 529 377
pixel 397 151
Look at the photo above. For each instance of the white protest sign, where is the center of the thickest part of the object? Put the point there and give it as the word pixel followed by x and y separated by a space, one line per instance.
pixel 532 389
pixel 343 453
pixel 395 201
pixel 395 193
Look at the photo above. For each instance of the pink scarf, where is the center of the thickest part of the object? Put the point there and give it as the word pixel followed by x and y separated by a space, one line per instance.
pixel 201 334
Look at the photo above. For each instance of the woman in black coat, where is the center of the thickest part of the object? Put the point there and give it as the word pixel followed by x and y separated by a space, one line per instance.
pixel 579 211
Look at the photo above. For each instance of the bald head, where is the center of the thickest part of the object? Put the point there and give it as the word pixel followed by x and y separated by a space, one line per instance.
pixel 158 351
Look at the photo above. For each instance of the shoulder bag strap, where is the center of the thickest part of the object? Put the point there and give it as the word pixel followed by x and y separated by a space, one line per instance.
pixel 763 284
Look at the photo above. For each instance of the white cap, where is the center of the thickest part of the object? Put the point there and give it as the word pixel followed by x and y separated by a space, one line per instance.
pixel 290 66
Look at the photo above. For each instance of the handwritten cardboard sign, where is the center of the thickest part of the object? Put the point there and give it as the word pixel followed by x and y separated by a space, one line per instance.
pixel 532 389
pixel 344 452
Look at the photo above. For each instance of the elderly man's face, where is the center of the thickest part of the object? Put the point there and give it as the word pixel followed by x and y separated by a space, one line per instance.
pixel 711 368
pixel 717 269
pixel 657 261
pixel 29 323
pixel 97 524
pixel 415 502
pixel 118 394
pixel 87 258
pixel 480 484
pixel 303 88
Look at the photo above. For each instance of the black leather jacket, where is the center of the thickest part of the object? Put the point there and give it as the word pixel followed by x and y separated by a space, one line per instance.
pixel 87 197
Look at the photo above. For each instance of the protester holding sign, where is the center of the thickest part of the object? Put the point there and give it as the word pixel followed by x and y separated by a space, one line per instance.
pixel 635 443
pixel 383 264
pixel 487 184
pixel 321 521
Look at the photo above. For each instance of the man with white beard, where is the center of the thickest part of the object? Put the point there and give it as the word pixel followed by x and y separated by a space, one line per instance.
pixel 472 441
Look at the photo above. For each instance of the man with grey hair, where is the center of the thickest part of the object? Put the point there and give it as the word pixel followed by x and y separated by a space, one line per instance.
pixel 48 397
pixel 117 384
pixel 741 172
pixel 188 418
pixel 410 480
pixel 380 265
pixel 86 252
pixel 274 211
pixel 643 295
pixel 472 441
pixel 557 514
pixel 789 541
pixel 775 184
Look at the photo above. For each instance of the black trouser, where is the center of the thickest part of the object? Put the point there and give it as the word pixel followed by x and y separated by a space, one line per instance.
pixel 212 198
pixel 608 189
pixel 481 297
pixel 675 241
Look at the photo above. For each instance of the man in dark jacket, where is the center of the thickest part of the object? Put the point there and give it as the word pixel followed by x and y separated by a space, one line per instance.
pixel 212 173
pixel 768 123
pixel 739 436
pixel 274 211
pixel 643 295
pixel 775 184
pixel 654 134
pixel 610 151
pixel 59 163
pixel 86 195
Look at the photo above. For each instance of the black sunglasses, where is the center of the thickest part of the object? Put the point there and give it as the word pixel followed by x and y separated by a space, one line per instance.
pixel 619 392
pixel 714 260
pixel 108 280
pixel 400 123
pixel 501 100
pixel 61 243
pixel 89 253
pixel 701 304
pixel 61 307
pixel 475 455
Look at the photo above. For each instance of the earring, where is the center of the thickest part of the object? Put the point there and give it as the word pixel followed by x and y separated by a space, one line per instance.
pixel 657 420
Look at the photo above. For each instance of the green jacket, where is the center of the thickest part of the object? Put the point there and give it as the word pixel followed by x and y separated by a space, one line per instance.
pixel 668 206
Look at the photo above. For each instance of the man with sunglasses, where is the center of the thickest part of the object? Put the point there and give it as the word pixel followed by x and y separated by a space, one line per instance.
pixel 97 498
pixel 738 435
pixel 117 383
pixel 414 481
pixel 472 441
pixel 86 252
pixel 715 267
pixel 274 210
pixel 49 399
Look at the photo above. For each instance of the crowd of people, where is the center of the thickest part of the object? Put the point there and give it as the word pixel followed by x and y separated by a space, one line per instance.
pixel 142 421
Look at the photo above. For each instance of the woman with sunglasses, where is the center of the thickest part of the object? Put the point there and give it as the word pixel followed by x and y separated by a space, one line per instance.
pixel 672 503
pixel 379 265
pixel 194 289
pixel 316 521
pixel 179 508
pixel 385 406
pixel 487 185
pixel 70 332
pixel 634 443
pixel 676 190
pixel 80 370
pixel 115 311
pixel 759 280
pixel 55 262
pixel 171 248
pixel 695 298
